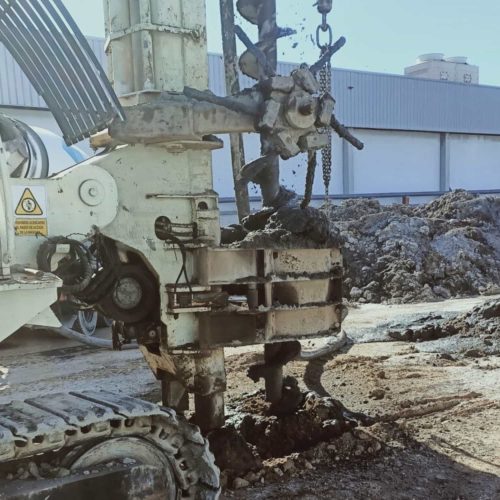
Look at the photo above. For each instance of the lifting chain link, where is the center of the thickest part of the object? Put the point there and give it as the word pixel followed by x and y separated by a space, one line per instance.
pixel 324 8
pixel 325 82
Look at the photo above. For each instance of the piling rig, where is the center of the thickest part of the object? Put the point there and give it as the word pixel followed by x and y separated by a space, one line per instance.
pixel 135 233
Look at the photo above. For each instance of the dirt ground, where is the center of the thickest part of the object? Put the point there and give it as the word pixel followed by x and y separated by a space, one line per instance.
pixel 437 410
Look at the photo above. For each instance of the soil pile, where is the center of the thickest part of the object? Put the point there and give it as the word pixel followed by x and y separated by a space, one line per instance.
pixel 256 446
pixel 400 254
pixel 478 331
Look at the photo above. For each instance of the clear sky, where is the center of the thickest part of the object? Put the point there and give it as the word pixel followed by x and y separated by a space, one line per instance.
pixel 382 35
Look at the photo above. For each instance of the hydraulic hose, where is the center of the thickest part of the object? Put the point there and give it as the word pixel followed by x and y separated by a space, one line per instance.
pixel 47 250
pixel 91 341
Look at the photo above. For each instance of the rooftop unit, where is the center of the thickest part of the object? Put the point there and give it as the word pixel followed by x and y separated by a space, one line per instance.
pixel 438 67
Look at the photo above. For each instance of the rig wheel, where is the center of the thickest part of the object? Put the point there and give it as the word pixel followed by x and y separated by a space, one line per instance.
pixel 86 322
pixel 192 463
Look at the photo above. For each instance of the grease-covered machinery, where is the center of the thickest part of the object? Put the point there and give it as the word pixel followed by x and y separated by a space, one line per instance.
pixel 134 232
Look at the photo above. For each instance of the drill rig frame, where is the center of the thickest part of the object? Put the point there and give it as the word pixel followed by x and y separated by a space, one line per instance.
pixel 146 211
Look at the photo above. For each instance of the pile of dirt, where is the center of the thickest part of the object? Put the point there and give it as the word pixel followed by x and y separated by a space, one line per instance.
pixel 478 331
pixel 351 447
pixel 257 446
pixel 400 254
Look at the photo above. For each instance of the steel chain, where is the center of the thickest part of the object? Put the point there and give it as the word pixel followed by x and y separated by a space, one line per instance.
pixel 325 83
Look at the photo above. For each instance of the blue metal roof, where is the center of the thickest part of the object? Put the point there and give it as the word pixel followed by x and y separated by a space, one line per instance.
pixel 364 100
pixel 382 101
pixel 397 102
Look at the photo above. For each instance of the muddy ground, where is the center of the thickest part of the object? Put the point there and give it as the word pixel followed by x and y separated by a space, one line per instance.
pixel 437 434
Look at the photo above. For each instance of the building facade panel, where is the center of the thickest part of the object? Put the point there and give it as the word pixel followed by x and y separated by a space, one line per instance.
pixel 474 161
pixel 409 162
pixel 293 171
pixel 15 88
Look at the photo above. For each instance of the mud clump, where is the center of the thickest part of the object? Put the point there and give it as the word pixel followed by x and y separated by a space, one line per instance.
pixel 257 445
pixel 287 227
pixel 233 453
pixel 318 420
pixel 401 254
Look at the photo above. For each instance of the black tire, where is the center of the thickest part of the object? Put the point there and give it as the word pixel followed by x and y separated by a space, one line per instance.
pixel 86 322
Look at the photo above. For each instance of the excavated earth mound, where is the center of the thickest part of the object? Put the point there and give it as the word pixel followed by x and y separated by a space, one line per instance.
pixel 476 333
pixel 400 254
pixel 258 446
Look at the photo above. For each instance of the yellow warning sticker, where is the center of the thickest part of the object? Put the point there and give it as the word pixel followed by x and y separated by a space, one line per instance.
pixel 31 227
pixel 28 205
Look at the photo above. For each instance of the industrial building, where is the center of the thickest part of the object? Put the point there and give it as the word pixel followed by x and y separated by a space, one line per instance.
pixel 427 132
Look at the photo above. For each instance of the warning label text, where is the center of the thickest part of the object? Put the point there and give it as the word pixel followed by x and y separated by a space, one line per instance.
pixel 31 227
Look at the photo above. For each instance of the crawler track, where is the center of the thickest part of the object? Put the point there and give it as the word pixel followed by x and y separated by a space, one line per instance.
pixel 67 423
